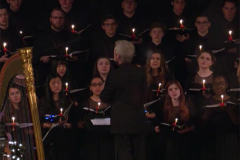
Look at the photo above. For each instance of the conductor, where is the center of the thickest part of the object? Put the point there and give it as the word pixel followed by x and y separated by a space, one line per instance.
pixel 125 90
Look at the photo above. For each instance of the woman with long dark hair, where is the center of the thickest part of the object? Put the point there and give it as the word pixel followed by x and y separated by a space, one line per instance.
pixel 175 143
pixel 58 138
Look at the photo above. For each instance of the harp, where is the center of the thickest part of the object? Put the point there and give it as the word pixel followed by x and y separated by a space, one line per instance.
pixel 18 70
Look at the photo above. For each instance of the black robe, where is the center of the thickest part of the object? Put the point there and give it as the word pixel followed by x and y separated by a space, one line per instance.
pixel 54 43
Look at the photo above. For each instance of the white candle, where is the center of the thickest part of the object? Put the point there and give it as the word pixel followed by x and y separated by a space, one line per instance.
pixel 66 50
pixel 66 85
pixel 61 110
pixel 13 119
pixel 159 86
pixel 176 120
pixel 4 45
pixel 133 30
pixel 73 27
pixel 230 33
pixel 222 96
pixel 99 105
pixel 203 81
pixel 181 21
pixel 200 47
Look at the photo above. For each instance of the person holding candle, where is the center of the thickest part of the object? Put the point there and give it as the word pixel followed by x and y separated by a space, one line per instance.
pixel 102 67
pixel 16 111
pixel 157 72
pixel 176 110
pixel 219 127
pixel 156 32
pixel 8 35
pixel 130 19
pixel 53 42
pixel 98 143
pixel 63 135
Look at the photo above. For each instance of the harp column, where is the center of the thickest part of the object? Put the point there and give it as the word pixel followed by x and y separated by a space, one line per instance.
pixel 26 54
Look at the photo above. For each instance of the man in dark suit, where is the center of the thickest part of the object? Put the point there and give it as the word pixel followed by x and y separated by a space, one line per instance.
pixel 125 91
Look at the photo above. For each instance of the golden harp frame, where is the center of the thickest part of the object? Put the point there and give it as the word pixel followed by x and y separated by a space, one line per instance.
pixel 21 63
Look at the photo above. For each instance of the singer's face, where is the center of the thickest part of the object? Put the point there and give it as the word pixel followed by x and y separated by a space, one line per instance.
pixel 156 34
pixel 205 60
pixel 219 85
pixel 173 91
pixel 103 66
pixel 96 86
pixel 14 95
pixel 61 69
pixel 155 61
pixel 3 17
pixel 55 85
pixel 57 20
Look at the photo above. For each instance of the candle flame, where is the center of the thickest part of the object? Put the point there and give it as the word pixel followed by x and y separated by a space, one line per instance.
pixel 203 81
pixel 73 26
pixel 181 21
pixel 133 30
pixel 66 48
pixel 222 96
pixel 200 47
pixel 176 120
pixel 21 32
pixel 66 85
pixel 4 44
pixel 61 110
pixel 159 85
pixel 13 118
pixel 230 32
pixel 99 104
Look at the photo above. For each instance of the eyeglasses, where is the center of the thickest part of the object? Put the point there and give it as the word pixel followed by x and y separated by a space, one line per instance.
pixel 218 84
pixel 129 2
pixel 97 84
pixel 204 23
pixel 109 24
pixel 60 18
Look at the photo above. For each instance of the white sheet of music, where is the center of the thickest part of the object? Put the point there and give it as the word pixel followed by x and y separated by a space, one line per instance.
pixel 100 121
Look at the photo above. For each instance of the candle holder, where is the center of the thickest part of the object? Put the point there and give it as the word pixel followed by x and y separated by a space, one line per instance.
pixel 222 105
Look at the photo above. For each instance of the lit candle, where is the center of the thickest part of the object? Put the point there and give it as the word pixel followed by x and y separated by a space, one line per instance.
pixel 73 28
pixel 20 32
pixel 13 119
pixel 203 81
pixel 200 47
pixel 61 110
pixel 176 120
pixel 230 36
pixel 159 86
pixel 66 50
pixel 99 105
pixel 222 96
pixel 133 30
pixel 66 86
pixel 4 45
pixel 181 24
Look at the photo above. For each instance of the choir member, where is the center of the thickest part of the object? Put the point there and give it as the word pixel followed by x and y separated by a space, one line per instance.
pixel 200 40
pixel 224 22
pixel 102 67
pixel 129 19
pixel 177 39
pixel 175 143
pixel 75 15
pixel 219 139
pixel 20 18
pixel 61 136
pixel 53 43
pixel 126 97
pixel 199 84
pixel 17 106
pixel 102 43
pixel 157 72
pixel 156 32
pixel 60 66
pixel 98 142
pixel 8 35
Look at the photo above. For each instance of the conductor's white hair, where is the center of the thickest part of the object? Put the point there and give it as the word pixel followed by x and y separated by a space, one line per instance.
pixel 125 49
